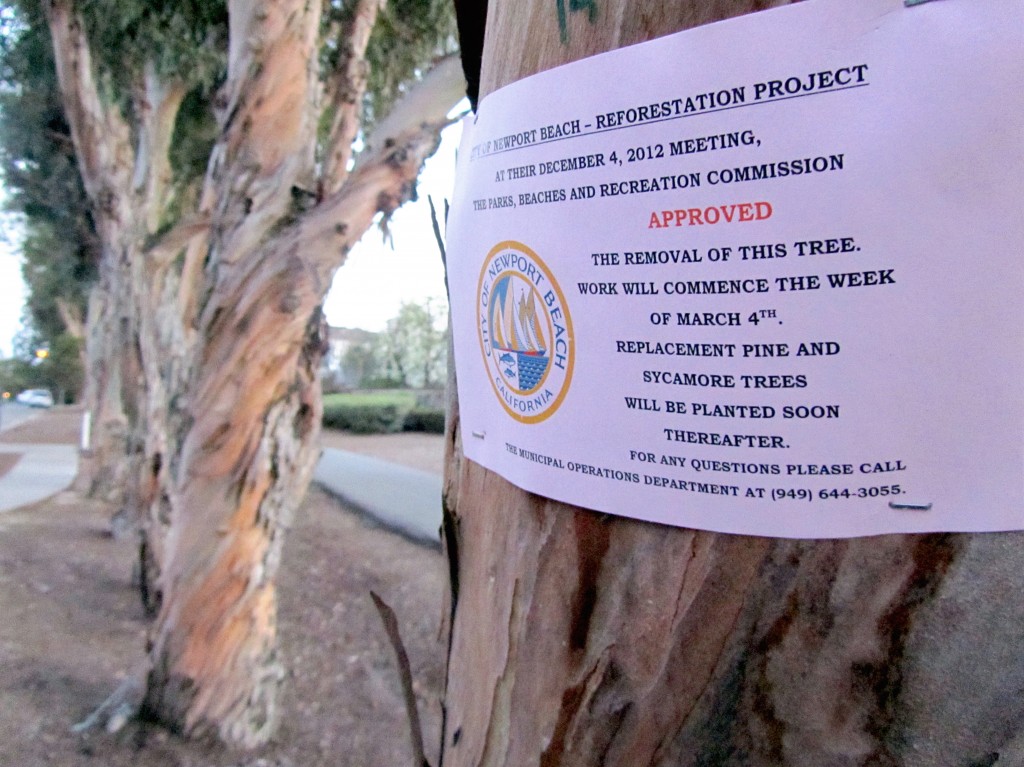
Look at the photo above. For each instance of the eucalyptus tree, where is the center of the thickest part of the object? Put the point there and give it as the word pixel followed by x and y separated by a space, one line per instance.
pixel 582 639
pixel 217 145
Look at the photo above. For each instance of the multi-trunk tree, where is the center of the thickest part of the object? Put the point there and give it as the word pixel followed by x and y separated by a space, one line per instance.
pixel 217 145
pixel 583 639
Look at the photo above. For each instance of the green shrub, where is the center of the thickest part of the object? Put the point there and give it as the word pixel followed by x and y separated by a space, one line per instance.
pixel 402 399
pixel 429 420
pixel 382 382
pixel 381 412
pixel 363 419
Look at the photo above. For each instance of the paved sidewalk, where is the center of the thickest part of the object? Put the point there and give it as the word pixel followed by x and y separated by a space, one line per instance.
pixel 41 470
pixel 403 499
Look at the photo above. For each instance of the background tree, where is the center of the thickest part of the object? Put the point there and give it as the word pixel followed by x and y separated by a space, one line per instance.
pixel 60 370
pixel 13 376
pixel 579 638
pixel 52 220
pixel 46 364
pixel 216 148
pixel 361 364
pixel 412 350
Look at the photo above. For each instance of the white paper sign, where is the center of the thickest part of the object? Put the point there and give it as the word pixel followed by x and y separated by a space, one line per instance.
pixel 760 277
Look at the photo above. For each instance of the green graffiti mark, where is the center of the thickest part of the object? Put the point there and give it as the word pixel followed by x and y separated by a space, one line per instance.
pixel 590 6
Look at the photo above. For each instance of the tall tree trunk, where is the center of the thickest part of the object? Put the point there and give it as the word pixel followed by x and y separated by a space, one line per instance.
pixel 102 144
pixel 247 444
pixel 125 177
pixel 577 638
pixel 218 326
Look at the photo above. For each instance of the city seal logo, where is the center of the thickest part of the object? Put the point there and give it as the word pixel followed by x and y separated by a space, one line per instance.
pixel 525 332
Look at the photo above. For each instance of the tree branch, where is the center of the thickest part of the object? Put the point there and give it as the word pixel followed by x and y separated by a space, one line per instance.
pixel 385 174
pixel 268 123
pixel 390 621
pixel 157 106
pixel 380 184
pixel 181 236
pixel 101 136
pixel 347 98
pixel 71 316
pixel 427 102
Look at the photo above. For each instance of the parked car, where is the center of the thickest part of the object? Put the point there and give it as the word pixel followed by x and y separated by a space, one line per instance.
pixel 35 398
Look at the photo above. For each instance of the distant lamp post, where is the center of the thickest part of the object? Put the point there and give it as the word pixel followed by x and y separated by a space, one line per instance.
pixel 42 354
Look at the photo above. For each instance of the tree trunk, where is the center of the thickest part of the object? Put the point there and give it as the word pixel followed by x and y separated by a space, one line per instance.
pixel 577 638
pixel 218 325
pixel 125 178
pixel 244 451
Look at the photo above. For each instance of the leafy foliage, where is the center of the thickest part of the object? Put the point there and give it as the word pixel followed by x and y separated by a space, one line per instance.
pixel 413 348
pixel 381 413
pixel 363 419
pixel 195 133
pixel 57 269
pixel 182 39
pixel 60 247
pixel 403 400
pixel 408 36
pixel 429 420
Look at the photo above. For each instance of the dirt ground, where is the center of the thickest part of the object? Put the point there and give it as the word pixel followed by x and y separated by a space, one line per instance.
pixel 73 627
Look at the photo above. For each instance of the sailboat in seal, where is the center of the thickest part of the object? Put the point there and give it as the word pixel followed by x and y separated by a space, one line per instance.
pixel 517 335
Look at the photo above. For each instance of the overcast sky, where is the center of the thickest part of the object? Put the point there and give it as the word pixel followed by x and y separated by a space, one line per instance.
pixel 367 291
pixel 12 289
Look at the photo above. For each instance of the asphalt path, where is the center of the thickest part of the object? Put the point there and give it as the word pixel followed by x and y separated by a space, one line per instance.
pixel 12 413
pixel 400 498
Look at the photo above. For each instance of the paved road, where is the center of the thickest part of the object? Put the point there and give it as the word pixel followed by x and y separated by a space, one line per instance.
pixel 12 413
pixel 402 499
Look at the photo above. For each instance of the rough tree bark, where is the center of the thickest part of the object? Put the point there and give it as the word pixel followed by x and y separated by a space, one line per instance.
pixel 219 319
pixel 125 177
pixel 247 442
pixel 583 639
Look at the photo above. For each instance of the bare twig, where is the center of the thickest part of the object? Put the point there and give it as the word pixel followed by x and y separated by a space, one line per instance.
pixel 387 616
pixel 440 238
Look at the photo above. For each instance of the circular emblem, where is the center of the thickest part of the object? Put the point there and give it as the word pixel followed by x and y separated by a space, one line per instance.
pixel 525 332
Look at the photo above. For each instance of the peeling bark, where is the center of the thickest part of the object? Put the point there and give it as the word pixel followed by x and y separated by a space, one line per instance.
pixel 347 91
pixel 126 174
pixel 582 639
pixel 248 438
pixel 102 142
pixel 219 319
